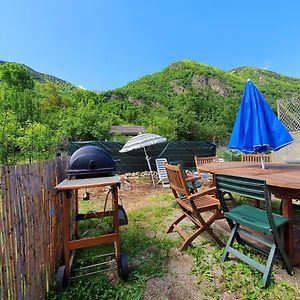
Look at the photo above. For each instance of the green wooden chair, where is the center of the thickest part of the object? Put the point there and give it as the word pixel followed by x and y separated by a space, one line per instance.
pixel 256 227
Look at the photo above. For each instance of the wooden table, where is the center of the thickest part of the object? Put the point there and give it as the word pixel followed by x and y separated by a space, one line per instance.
pixel 283 181
pixel 68 186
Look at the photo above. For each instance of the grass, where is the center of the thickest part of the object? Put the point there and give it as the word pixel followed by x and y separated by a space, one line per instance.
pixel 234 277
pixel 147 253
pixel 148 249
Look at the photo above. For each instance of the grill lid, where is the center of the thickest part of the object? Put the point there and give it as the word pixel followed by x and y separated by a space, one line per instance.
pixel 91 161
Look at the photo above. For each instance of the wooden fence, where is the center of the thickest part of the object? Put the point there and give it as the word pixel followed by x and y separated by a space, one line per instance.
pixel 30 228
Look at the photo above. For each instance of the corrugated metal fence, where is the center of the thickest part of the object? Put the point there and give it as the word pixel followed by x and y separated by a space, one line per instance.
pixel 30 228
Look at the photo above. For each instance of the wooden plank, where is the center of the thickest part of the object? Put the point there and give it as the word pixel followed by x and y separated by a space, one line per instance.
pixel 98 214
pixel 66 233
pixel 93 241
pixel 47 219
pixel 26 224
pixel 11 240
pixel 18 231
pixel 56 169
pixel 5 253
pixel 30 245
pixel 40 226
pixel 69 184
pixel 52 215
pixel 23 226
pixel 276 174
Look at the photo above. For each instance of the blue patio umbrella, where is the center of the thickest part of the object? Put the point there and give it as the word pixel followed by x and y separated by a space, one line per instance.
pixel 257 128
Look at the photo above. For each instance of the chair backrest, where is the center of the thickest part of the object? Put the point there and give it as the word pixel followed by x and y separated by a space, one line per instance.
pixel 251 188
pixel 177 162
pixel 256 158
pixel 161 170
pixel 200 160
pixel 177 181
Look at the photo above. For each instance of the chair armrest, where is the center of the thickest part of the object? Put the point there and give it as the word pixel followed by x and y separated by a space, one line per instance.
pixel 199 178
pixel 194 178
pixel 211 191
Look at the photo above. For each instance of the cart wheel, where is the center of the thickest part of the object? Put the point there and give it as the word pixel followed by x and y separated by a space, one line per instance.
pixel 60 279
pixel 123 267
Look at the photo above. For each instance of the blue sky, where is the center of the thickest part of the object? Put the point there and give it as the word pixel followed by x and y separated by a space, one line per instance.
pixel 102 45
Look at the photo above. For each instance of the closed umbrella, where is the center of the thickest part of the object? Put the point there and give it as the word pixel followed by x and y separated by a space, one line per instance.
pixel 142 141
pixel 257 128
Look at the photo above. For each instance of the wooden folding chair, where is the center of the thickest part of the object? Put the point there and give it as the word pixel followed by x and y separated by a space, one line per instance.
pixel 200 160
pixel 192 206
pixel 256 158
pixel 256 227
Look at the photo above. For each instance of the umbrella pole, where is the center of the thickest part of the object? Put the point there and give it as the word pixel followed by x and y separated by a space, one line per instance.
pixel 262 161
pixel 149 165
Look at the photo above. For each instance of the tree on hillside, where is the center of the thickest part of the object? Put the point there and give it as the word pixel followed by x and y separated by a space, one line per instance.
pixel 16 76
pixel 51 98
pixel 10 131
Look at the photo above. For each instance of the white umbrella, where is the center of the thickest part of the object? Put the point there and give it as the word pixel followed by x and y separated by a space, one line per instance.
pixel 142 141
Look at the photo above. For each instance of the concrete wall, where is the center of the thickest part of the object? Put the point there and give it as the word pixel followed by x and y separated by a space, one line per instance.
pixel 290 152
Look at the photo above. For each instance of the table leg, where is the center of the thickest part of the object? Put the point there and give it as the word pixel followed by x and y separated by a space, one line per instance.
pixel 66 232
pixel 76 213
pixel 116 221
pixel 287 211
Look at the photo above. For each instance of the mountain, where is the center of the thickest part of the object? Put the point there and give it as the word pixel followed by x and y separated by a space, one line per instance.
pixel 45 78
pixel 185 78
pixel 184 101
pixel 274 86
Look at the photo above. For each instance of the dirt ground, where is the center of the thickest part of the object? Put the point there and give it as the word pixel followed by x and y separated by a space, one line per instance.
pixel 179 283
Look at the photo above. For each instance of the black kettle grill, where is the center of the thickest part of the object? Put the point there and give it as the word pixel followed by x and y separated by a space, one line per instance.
pixel 91 161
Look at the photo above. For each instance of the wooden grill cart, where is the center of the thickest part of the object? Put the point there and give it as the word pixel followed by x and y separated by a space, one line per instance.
pixel 70 188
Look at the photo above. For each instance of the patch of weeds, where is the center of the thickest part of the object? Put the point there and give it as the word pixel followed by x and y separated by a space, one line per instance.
pixel 152 217
pixel 99 287
pixel 235 277
pixel 204 266
pixel 163 198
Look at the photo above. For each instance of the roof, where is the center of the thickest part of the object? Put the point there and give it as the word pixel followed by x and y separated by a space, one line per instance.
pixel 127 130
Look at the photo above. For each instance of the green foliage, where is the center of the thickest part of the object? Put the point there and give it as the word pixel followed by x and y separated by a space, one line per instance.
pixel 185 101
pixel 16 76
pixel 231 155
pixel 10 131
pixel 38 142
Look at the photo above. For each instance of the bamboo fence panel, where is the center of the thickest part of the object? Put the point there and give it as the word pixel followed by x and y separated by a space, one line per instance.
pixel 30 228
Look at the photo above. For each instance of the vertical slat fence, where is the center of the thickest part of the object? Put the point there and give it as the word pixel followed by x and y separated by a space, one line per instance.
pixel 30 228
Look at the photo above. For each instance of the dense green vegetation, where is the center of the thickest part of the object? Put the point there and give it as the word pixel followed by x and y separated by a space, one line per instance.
pixel 186 101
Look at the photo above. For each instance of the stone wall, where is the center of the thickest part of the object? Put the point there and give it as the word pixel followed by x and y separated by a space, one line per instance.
pixel 290 152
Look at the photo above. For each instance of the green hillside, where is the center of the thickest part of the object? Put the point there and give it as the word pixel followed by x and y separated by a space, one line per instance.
pixel 274 86
pixel 185 101
pixel 43 78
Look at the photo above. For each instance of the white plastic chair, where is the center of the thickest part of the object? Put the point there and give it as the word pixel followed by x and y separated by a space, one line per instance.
pixel 161 171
